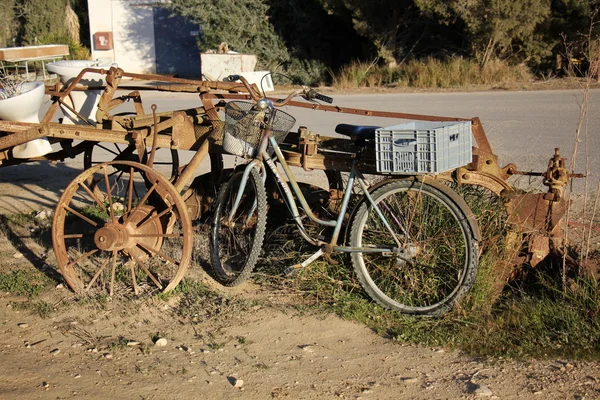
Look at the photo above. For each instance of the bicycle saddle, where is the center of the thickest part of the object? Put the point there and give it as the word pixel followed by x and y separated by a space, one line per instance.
pixel 358 133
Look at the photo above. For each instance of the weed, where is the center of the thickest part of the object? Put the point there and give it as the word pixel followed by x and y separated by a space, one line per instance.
pixel 41 308
pixel 119 344
pixel 216 346
pixel 24 283
pixel 534 318
pixel 431 73
pixel 198 302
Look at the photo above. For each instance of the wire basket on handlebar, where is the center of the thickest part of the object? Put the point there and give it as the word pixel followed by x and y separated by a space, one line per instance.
pixel 244 127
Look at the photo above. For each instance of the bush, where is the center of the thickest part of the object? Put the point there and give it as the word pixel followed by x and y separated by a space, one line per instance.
pixel 77 51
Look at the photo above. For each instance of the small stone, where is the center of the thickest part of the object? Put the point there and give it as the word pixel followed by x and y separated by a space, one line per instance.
pixel 108 356
pixel 235 382
pixel 132 343
pixel 308 348
pixel 73 323
pixel 23 325
pixel 440 351
pixel 60 286
pixel 479 390
pixel 43 215
pixel 410 380
pixel 27 345
pixel 55 352
pixel 18 255
pixel 45 385
pixel 77 376
pixel 161 342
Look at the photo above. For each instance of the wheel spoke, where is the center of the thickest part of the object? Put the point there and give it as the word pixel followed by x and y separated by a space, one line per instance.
pixel 76 236
pixel 143 267
pixel 152 218
pixel 93 196
pixel 83 217
pixel 157 235
pixel 130 191
pixel 109 195
pixel 81 258
pixel 158 253
pixel 107 149
pixel 89 285
pixel 112 272
pixel 136 289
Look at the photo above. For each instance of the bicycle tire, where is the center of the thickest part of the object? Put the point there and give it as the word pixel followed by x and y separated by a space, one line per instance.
pixel 433 233
pixel 234 248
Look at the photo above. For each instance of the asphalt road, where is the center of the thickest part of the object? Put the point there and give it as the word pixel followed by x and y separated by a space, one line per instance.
pixel 522 127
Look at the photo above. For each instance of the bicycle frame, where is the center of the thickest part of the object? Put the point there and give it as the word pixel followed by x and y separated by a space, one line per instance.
pixel 264 157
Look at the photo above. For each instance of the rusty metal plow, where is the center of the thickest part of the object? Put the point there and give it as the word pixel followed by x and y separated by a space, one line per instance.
pixel 122 221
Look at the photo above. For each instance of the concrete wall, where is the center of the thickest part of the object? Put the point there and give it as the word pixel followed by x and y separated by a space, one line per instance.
pixel 132 25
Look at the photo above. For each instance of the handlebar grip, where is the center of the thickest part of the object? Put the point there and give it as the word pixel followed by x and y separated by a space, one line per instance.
pixel 232 78
pixel 312 94
pixel 324 98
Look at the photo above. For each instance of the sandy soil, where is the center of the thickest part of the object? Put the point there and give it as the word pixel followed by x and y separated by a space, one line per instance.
pixel 250 342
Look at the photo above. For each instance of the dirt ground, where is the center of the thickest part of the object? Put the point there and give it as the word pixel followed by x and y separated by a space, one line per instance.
pixel 251 342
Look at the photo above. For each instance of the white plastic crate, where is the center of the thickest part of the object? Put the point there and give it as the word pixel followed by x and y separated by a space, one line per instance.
pixel 423 147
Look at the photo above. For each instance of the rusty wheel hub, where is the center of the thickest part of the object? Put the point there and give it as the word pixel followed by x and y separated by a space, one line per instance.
pixel 112 236
pixel 127 234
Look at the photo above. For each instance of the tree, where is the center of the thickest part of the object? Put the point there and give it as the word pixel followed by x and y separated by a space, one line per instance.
pixel 41 18
pixel 496 28
pixel 243 24
pixel 8 23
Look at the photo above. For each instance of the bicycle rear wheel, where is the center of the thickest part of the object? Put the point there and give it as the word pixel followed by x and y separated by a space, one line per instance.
pixel 438 259
pixel 235 243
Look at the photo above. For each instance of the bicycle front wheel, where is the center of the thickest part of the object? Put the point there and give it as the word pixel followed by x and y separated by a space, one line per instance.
pixel 435 260
pixel 236 240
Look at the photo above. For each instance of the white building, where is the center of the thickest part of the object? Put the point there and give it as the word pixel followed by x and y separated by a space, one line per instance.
pixel 142 36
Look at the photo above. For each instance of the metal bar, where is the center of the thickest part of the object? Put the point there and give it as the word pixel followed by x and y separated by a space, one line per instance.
pixel 188 171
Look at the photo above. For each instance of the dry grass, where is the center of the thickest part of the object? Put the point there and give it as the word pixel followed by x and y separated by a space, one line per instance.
pixel 431 73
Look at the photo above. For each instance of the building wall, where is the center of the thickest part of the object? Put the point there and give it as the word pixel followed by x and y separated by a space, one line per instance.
pixel 132 27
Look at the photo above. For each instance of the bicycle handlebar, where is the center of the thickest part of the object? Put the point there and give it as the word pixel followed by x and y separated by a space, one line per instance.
pixel 306 92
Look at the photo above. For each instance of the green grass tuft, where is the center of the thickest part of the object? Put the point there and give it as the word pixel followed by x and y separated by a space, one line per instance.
pixel 24 283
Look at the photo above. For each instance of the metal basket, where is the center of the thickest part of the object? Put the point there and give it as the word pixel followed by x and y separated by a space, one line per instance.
pixel 244 127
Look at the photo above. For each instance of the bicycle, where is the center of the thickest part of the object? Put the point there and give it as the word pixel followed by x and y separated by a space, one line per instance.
pixel 411 242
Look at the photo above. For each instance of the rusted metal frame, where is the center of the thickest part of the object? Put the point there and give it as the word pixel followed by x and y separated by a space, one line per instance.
pixel 188 171
pixel 212 85
pixel 107 103
pixel 61 94
pixel 74 111
pixel 25 132
pixel 117 101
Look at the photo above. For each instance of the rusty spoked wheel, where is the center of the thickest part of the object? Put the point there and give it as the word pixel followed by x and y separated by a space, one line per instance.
pixel 131 229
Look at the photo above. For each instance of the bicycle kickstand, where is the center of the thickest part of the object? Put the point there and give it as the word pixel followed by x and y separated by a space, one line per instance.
pixel 295 267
